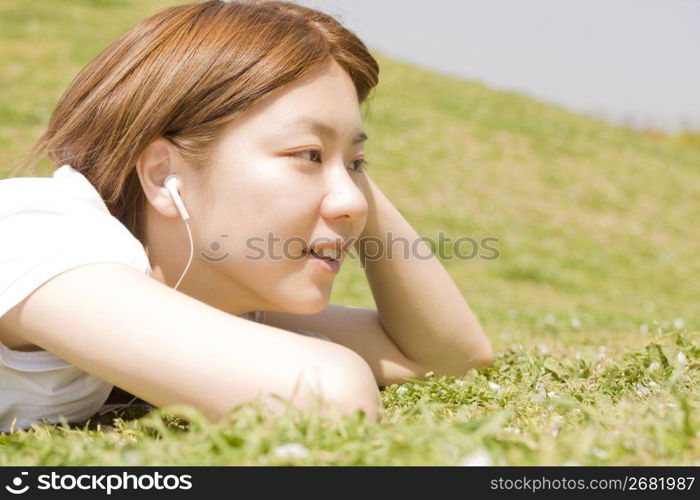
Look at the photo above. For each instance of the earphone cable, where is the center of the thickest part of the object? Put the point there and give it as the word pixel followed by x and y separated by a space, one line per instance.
pixel 189 235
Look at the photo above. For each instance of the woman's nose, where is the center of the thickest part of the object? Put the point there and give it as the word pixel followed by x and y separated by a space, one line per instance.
pixel 345 199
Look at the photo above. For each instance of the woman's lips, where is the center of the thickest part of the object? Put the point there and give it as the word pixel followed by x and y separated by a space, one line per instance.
pixel 323 263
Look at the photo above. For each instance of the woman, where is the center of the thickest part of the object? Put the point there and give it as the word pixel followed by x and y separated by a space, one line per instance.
pixel 254 110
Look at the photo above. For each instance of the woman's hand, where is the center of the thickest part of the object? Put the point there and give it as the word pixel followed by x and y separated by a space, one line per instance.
pixel 419 305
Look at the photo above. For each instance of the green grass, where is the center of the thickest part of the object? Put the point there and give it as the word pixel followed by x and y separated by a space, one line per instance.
pixel 591 306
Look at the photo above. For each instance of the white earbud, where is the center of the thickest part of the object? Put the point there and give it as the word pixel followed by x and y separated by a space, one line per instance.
pixel 170 184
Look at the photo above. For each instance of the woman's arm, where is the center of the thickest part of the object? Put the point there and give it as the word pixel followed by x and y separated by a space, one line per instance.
pixel 418 304
pixel 118 324
pixel 359 329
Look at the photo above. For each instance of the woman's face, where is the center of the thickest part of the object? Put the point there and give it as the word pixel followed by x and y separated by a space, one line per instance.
pixel 281 184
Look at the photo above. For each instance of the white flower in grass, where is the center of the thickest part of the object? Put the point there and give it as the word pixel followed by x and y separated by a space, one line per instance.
pixel 653 384
pixel 549 319
pixel 654 366
pixel 602 350
pixel 575 323
pixel 402 389
pixel 539 397
pixel 291 450
pixel 495 387
pixel 642 390
pixel 542 349
pixel 541 394
pixel 126 440
pixel 681 358
pixel 643 328
pixel 132 457
pixel 551 394
pixel 678 323
pixel 476 459
pixel 602 454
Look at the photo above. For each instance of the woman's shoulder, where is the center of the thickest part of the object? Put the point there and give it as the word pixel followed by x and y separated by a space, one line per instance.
pixel 67 191
pixel 51 225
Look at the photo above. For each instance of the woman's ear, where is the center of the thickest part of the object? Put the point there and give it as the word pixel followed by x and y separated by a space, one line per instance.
pixel 152 166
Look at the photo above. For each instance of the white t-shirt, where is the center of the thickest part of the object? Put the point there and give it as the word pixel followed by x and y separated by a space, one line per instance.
pixel 49 225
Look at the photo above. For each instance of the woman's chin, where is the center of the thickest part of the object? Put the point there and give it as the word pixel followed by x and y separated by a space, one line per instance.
pixel 312 304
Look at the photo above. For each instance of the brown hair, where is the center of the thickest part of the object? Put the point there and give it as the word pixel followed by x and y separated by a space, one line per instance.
pixel 185 73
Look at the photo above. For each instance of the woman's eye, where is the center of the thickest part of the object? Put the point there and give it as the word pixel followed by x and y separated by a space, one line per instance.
pixel 312 151
pixel 359 165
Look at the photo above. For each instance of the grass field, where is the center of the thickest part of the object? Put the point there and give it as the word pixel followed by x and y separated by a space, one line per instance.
pixel 591 306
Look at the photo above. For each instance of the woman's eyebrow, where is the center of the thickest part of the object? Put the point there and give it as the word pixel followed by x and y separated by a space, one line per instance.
pixel 324 129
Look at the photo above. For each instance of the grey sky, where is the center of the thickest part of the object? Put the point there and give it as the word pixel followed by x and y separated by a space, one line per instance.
pixel 630 61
